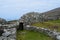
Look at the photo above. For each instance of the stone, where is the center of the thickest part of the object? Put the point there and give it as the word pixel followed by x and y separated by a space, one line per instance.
pixel 58 37
pixel 6 34
pixel 27 25
pixel 9 34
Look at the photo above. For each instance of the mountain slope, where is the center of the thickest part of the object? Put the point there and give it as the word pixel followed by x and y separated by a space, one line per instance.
pixel 52 14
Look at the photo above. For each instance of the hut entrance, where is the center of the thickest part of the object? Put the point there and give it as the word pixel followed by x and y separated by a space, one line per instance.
pixel 20 26
pixel 1 31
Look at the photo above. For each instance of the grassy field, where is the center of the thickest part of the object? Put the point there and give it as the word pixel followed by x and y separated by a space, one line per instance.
pixel 31 35
pixel 50 24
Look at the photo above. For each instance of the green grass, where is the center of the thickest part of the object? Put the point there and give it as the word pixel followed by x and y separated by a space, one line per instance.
pixel 55 21
pixel 31 35
pixel 49 24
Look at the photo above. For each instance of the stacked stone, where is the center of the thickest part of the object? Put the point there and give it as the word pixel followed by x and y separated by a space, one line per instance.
pixel 50 33
pixel 10 34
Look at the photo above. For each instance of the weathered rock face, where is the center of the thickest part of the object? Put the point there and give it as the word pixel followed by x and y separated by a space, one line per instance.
pixel 2 21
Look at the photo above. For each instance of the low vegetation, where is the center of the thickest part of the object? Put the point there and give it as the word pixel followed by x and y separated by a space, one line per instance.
pixel 31 35
pixel 53 25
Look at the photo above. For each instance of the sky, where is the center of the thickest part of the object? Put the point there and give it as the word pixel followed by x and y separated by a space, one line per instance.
pixel 14 9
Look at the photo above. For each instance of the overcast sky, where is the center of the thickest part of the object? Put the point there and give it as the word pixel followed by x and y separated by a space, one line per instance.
pixel 14 9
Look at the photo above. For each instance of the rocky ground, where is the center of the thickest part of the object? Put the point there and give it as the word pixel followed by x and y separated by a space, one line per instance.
pixel 9 34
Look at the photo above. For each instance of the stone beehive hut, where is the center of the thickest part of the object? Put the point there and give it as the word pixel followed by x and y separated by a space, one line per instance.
pixel 31 17
pixel 20 24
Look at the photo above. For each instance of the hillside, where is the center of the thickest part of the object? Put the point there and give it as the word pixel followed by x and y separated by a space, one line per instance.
pixel 50 20
pixel 52 14
pixel 12 21
pixel 32 17
pixel 52 25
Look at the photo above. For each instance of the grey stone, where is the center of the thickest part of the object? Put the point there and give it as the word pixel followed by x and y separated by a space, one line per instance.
pixel 50 33
pixel 58 37
pixel 10 34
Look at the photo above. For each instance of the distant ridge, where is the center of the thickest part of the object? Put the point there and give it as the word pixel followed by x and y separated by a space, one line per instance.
pixel 52 14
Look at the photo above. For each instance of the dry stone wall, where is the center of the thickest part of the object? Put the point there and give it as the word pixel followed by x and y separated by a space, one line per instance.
pixel 53 34
pixel 9 32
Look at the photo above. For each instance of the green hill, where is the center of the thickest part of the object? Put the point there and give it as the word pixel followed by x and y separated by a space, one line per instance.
pixel 53 25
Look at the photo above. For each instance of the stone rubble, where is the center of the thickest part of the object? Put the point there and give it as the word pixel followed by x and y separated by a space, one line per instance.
pixel 9 32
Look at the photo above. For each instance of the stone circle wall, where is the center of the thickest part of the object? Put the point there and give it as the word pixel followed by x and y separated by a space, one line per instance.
pixel 53 34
